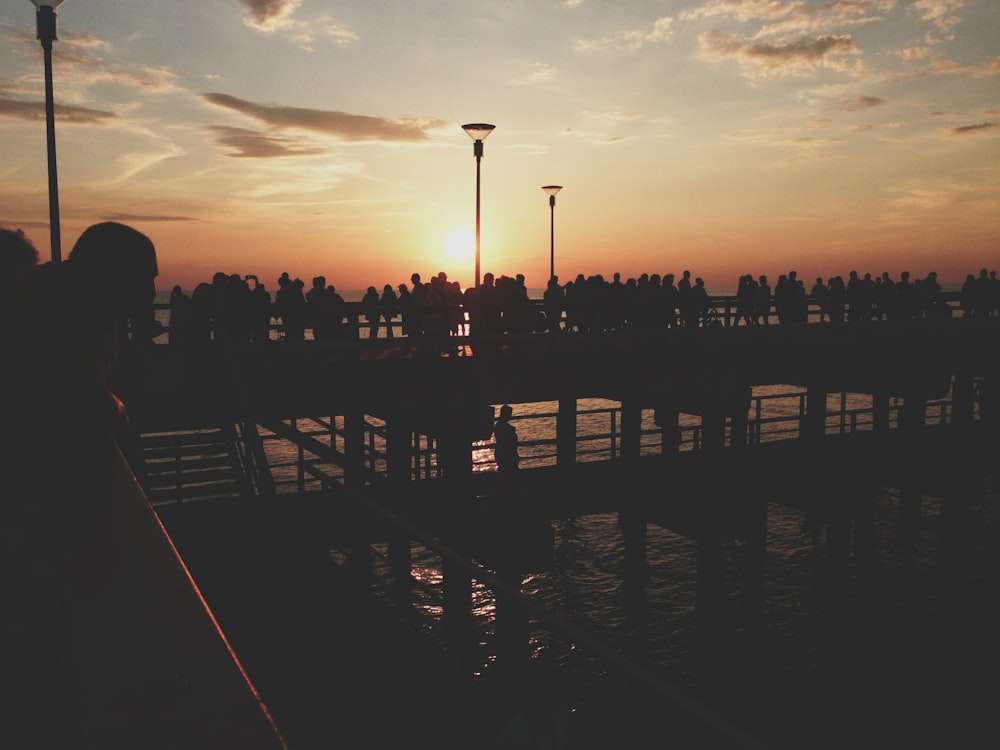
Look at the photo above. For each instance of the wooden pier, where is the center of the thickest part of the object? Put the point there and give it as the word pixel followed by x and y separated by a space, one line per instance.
pixel 444 389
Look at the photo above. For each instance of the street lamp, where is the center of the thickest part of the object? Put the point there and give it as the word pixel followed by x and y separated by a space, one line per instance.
pixel 46 18
pixel 552 190
pixel 478 131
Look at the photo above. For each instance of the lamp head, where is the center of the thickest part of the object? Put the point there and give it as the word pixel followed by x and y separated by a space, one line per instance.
pixel 46 18
pixel 552 190
pixel 478 130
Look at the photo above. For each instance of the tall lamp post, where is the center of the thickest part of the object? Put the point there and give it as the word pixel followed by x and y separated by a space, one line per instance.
pixel 552 190
pixel 477 132
pixel 46 17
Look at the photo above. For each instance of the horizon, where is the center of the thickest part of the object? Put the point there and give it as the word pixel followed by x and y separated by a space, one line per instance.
pixel 722 136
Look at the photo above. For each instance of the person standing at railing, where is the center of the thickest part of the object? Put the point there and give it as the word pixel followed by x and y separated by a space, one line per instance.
pixel 763 300
pixel 388 302
pixel 684 305
pixel 819 295
pixel 505 450
pixel 553 301
pixel 370 305
pixel 746 301
pixel 290 305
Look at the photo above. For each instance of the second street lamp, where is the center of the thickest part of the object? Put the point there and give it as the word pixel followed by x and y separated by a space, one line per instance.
pixel 552 190
pixel 477 132
pixel 46 18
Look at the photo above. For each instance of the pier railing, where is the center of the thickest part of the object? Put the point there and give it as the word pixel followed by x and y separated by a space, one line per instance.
pixel 773 415
pixel 722 310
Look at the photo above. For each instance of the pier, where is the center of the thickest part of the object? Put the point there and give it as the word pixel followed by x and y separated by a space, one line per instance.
pixel 385 432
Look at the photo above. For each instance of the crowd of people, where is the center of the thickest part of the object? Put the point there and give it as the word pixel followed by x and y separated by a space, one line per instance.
pixel 240 308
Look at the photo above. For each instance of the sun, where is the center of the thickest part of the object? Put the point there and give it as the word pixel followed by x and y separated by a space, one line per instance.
pixel 460 244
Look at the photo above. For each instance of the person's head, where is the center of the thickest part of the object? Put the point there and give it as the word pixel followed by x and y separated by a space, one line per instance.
pixel 119 261
pixel 17 254
pixel 506 412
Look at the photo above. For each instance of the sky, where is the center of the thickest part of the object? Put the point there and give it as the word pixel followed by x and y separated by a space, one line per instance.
pixel 317 137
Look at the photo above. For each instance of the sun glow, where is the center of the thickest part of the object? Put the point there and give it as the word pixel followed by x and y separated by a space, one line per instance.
pixel 460 244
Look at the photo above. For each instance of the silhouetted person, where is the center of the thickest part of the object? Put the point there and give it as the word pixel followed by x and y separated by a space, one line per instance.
pixel 318 303
pixel 369 304
pixel 684 301
pixel 18 256
pixel 61 530
pixel 763 300
pixel 746 301
pixel 260 312
pixel 836 299
pixel 291 306
pixel 180 314
pixel 405 301
pixel 418 296
pixel 819 293
pixel 505 451
pixel 553 300
pixel 388 302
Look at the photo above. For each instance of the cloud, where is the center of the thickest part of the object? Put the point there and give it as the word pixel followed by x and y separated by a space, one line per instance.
pixel 126 218
pixel 268 15
pixel 661 30
pixel 863 102
pixel 253 144
pixel 797 58
pixel 791 18
pixel 35 112
pixel 914 53
pixel 950 67
pixel 940 12
pixel 341 125
pixel 977 128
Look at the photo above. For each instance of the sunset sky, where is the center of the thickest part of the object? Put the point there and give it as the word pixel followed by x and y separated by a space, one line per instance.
pixel 721 136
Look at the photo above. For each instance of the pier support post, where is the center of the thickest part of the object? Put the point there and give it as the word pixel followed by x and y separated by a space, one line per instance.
pixel 739 424
pixel 813 423
pixel 631 429
pixel 566 432
pixel 834 579
pixel 912 417
pixel 398 448
pixel 510 620
pixel 756 552
pixel 709 594
pixel 713 430
pixel 963 399
pixel 953 532
pixel 354 465
pixel 635 532
pixel 880 409
pixel 456 584
pixel 633 523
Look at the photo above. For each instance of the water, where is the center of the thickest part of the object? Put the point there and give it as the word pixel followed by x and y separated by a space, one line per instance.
pixel 889 683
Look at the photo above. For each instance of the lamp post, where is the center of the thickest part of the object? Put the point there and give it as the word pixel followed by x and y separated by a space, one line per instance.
pixel 552 190
pixel 46 18
pixel 477 132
